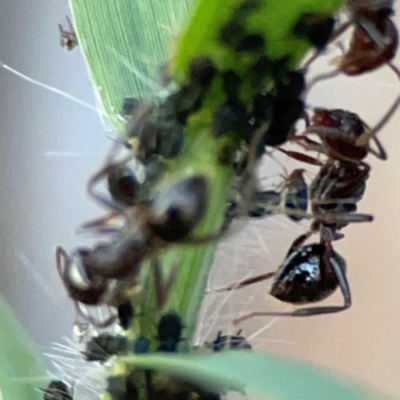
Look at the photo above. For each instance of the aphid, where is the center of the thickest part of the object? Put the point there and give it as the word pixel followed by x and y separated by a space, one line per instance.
pixel 57 390
pixel 102 347
pixel 122 387
pixel 189 98
pixel 169 332
pixel 317 28
pixel 68 39
pixel 229 342
pixel 374 40
pixel 126 314
pixel 282 110
pixel 141 345
pixel 129 105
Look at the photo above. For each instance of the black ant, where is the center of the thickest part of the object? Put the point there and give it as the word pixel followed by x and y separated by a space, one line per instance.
pixel 57 390
pixel 69 39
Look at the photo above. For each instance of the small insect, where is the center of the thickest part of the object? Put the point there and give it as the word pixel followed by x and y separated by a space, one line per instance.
pixel 317 28
pixel 225 342
pixel 126 314
pixel 169 332
pixel 69 39
pixel 57 390
pixel 122 387
pixel 102 347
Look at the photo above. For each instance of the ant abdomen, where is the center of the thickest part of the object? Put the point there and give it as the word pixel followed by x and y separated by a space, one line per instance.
pixel 307 275
pixel 81 285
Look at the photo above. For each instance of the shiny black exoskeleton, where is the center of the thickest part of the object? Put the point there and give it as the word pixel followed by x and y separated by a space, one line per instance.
pixel 307 275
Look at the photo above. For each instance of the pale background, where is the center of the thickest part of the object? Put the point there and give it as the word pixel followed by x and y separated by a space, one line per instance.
pixel 50 145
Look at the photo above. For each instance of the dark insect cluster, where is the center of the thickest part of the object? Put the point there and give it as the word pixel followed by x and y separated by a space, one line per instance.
pixel 150 209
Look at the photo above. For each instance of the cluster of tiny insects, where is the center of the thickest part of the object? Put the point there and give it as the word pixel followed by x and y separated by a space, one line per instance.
pixel 145 216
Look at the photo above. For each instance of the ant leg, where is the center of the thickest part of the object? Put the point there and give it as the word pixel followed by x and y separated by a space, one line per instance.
pixel 338 32
pixel 297 243
pixel 94 321
pixel 99 225
pixel 365 137
pixel 320 78
pixel 246 282
pixel 163 288
pixel 345 218
pixel 381 153
pixel 301 157
pixel 62 259
pixel 101 174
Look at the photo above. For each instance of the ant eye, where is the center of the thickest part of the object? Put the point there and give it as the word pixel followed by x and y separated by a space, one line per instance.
pixel 307 275
pixel 177 211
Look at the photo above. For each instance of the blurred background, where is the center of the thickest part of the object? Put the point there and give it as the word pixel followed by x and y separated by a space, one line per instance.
pixel 50 145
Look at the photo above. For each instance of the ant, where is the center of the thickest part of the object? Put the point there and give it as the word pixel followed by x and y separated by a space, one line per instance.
pixel 375 38
pixel 309 273
pixel 339 131
pixel 69 39
pixel 57 390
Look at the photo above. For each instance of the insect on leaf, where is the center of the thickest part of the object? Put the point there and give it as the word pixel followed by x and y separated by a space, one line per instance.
pixel 261 375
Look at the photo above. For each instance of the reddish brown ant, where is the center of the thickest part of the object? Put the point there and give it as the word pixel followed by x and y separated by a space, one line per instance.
pixel 375 38
pixel 69 40
pixel 339 131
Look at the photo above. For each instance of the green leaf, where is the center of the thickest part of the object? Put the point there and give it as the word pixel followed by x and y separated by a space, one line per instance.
pixel 21 369
pixel 260 374
pixel 125 42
